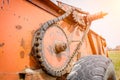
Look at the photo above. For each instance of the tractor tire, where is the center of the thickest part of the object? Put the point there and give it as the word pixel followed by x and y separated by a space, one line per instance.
pixel 95 67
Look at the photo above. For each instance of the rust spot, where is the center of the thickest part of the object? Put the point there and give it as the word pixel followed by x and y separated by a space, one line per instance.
pixel 2 44
pixel 22 43
pixel 14 14
pixel 22 54
pixel 8 1
pixel 18 27
pixel 18 16
pixel 1 7
pixel 3 1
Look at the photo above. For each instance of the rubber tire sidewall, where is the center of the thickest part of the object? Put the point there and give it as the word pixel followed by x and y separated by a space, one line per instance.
pixel 110 73
pixel 107 72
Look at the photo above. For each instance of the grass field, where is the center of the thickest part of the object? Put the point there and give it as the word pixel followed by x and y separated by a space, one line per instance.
pixel 115 56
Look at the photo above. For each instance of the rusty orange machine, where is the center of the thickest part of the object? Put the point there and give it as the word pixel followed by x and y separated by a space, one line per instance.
pixel 41 41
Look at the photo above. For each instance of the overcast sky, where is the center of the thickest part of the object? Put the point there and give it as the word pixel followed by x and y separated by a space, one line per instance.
pixel 109 26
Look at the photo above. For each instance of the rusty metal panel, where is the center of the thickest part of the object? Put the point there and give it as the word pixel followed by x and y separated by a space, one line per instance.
pixel 19 21
pixel 91 43
pixel 96 43
pixel 94 38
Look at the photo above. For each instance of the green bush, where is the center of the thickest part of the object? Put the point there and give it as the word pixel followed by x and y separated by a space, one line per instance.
pixel 115 57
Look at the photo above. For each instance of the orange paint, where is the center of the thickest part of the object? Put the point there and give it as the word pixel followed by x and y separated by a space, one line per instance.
pixel 19 19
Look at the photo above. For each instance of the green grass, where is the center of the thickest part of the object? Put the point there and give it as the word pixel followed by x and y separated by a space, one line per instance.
pixel 115 56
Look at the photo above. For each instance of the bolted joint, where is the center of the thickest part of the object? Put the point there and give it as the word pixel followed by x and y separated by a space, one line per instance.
pixel 60 47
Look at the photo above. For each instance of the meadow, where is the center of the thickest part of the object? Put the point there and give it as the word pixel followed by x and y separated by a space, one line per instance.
pixel 115 57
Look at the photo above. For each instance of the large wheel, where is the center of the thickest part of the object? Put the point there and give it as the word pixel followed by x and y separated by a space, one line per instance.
pixel 94 67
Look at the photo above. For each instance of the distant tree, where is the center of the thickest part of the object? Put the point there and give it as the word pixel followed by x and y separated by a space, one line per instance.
pixel 109 49
pixel 117 47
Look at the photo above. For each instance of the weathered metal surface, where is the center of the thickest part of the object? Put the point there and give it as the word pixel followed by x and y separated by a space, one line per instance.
pixel 19 21
pixel 51 49
pixel 44 51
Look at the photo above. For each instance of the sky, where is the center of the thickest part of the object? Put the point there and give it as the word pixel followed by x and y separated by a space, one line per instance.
pixel 107 27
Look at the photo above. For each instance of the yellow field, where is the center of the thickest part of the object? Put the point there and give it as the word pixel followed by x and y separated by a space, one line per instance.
pixel 115 56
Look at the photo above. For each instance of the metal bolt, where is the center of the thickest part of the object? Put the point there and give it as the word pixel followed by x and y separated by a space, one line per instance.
pixel 60 46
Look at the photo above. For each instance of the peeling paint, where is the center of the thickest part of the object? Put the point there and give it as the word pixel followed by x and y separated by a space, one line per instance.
pixel 18 27
pixel 1 7
pixel 22 54
pixel 2 44
pixel 22 43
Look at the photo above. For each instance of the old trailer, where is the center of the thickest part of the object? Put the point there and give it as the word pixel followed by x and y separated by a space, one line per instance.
pixel 42 41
